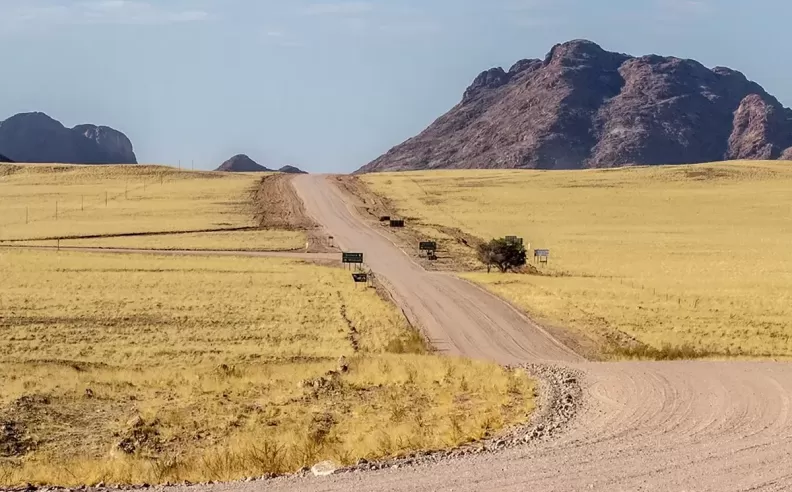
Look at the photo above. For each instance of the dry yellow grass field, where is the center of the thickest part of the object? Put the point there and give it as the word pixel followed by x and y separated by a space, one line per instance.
pixel 132 369
pixel 695 258
pixel 107 200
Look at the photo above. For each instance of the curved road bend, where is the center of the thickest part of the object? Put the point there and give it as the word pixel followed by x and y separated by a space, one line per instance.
pixel 458 317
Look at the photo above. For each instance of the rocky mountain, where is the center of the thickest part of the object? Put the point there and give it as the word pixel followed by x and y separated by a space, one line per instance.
pixel 584 107
pixel 4 158
pixel 241 163
pixel 291 170
pixel 35 137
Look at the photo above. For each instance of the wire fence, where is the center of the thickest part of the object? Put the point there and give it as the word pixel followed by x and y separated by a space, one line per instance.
pixel 69 207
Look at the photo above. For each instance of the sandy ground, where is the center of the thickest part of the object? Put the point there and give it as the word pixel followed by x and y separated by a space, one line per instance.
pixel 276 206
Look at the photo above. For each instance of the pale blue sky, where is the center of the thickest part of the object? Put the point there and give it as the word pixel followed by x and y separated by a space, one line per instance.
pixel 329 86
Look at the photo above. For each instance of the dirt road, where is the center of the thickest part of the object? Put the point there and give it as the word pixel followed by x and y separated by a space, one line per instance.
pixel 678 426
pixel 458 317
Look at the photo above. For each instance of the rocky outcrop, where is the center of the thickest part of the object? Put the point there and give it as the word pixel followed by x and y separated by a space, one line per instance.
pixel 291 170
pixel 241 163
pixel 585 107
pixel 37 138
pixel 760 130
pixel 4 158
pixel 786 155
pixel 114 143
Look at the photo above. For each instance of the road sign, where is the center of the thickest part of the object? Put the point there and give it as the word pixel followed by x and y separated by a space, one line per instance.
pixel 353 258
pixel 542 253
pixel 397 223
pixel 360 278
pixel 427 246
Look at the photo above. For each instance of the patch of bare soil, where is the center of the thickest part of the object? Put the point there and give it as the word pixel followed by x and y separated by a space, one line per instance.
pixel 277 206
pixel 377 210
pixel 14 441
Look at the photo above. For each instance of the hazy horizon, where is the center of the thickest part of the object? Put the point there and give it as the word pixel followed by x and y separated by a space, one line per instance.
pixel 329 86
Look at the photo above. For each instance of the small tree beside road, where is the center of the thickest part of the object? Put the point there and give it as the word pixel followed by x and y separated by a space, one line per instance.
pixel 504 254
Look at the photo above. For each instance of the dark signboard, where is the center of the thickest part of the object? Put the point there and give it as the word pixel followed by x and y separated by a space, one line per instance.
pixel 428 246
pixel 360 278
pixel 355 258
pixel 543 253
pixel 397 222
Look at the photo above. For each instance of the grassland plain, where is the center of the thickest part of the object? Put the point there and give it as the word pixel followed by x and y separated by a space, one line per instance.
pixel 655 262
pixel 59 201
pixel 132 369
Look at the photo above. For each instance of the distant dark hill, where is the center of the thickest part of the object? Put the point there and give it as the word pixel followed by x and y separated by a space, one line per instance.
pixel 115 143
pixel 584 107
pixel 35 137
pixel 291 170
pixel 242 164
pixel 4 158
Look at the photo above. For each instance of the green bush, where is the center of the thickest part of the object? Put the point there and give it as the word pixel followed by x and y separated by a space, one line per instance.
pixel 504 254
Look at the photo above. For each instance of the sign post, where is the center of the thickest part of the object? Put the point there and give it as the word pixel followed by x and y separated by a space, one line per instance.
pixel 352 258
pixel 542 255
pixel 397 223
pixel 430 247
